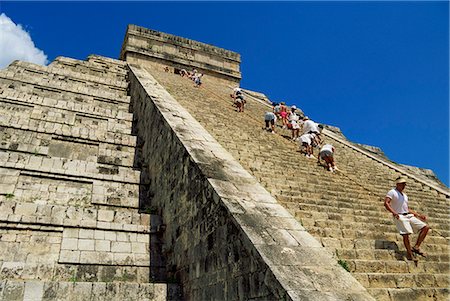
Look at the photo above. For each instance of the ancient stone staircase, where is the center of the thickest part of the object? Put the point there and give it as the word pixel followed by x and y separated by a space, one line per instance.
pixel 344 210
pixel 70 228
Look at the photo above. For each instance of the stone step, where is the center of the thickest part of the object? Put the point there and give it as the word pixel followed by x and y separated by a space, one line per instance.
pixel 108 72
pixel 410 294
pixel 60 86
pixel 118 84
pixel 92 107
pixel 44 144
pixel 119 219
pixel 358 219
pixel 65 130
pixel 29 72
pixel 399 280
pixel 33 269
pixel 81 291
pixel 301 206
pixel 68 167
pixel 396 266
pixel 60 119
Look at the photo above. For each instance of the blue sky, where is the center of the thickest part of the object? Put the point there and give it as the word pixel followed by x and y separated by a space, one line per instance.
pixel 377 70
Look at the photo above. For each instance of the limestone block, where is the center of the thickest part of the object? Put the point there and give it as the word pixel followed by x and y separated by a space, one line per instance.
pixel 102 245
pixel 442 280
pixel 382 281
pixel 71 232
pixel 12 270
pixel 139 248
pixel 34 290
pixel 13 291
pixel 90 257
pixel 134 228
pixel 99 234
pixel 116 226
pixel 86 233
pixel 110 235
pixel 82 290
pixel 69 244
pixel 6 207
pixel 143 238
pixel 405 281
pixel 86 244
pixel 106 215
pixel 425 280
pixel 120 247
pixel 9 237
pixel 103 225
pixel 7 188
pixel 25 209
pixel 123 258
pixel 98 291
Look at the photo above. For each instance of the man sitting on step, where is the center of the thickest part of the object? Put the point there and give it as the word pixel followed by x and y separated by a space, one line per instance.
pixel 406 220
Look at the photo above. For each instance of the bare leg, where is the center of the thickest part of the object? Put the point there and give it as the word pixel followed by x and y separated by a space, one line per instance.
pixel 423 233
pixel 407 246
pixel 328 162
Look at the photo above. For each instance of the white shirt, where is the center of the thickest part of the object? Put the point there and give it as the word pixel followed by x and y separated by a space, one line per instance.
pixel 399 201
pixel 327 147
pixel 310 126
pixel 293 118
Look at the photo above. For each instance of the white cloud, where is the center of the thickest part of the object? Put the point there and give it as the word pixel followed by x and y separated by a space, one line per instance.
pixel 16 44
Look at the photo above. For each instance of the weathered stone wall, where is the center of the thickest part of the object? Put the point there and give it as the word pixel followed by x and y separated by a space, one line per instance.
pixel 226 238
pixel 157 48
pixel 70 228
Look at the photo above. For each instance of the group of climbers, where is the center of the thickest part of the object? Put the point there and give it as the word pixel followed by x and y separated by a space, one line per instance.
pixel 295 120
pixel 194 75
pixel 396 201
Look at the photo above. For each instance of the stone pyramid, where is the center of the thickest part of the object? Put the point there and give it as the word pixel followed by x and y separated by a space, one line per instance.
pixel 120 180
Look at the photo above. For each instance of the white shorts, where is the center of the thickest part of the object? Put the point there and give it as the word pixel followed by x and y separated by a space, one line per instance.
pixel 408 224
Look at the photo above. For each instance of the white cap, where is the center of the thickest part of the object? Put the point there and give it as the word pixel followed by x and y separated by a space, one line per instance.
pixel 294 107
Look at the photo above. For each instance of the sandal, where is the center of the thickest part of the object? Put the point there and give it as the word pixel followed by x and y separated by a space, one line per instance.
pixel 412 258
pixel 418 252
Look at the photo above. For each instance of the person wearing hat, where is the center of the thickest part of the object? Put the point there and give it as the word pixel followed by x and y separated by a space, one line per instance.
pixel 294 123
pixel 406 220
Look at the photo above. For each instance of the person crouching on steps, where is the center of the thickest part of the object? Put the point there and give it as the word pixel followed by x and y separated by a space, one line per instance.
pixel 326 153
pixel 270 118
pixel 406 220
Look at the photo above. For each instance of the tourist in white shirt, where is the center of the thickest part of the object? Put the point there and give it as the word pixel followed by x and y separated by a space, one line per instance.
pixel 293 121
pixel 406 220
pixel 327 154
